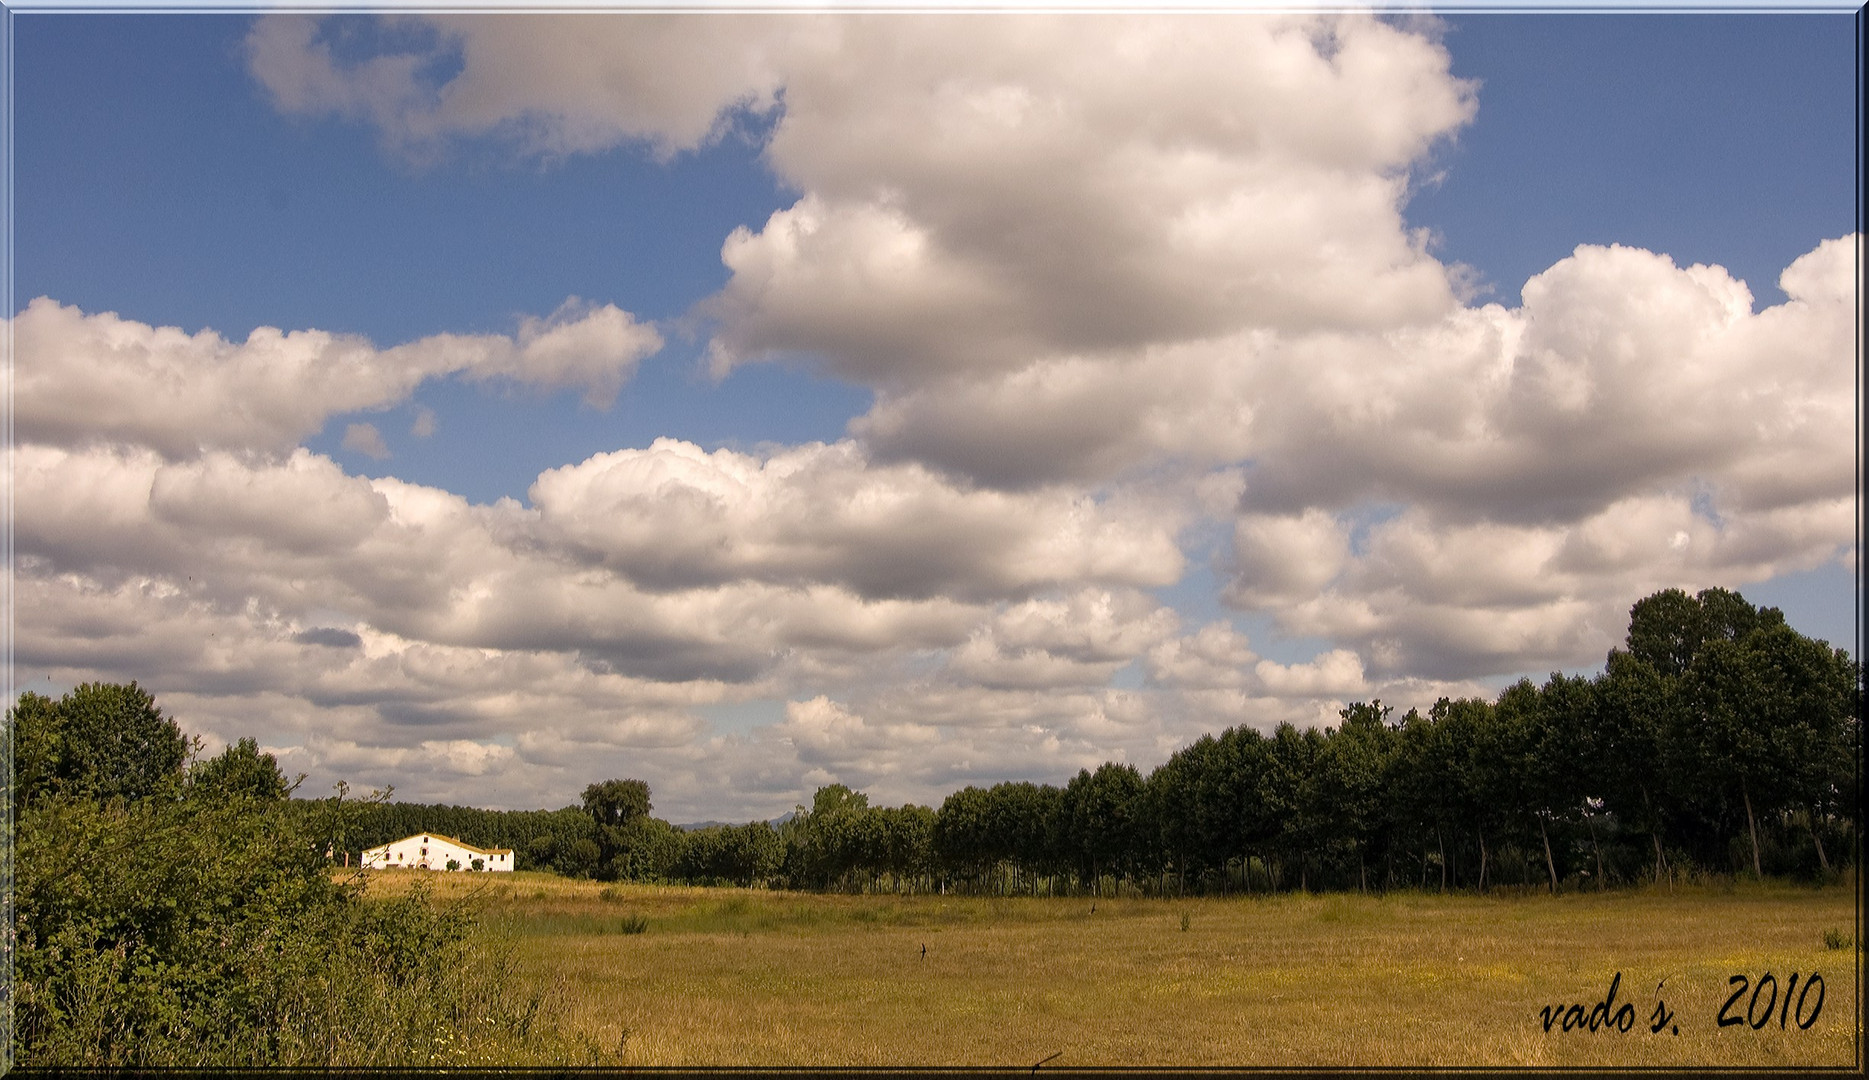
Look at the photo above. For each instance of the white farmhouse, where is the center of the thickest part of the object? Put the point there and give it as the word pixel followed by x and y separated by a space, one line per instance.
pixel 433 851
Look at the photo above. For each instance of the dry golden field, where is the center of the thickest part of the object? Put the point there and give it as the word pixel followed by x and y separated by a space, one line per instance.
pixel 690 976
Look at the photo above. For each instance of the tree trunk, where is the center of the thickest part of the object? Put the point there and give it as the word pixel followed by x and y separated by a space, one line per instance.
pixel 1591 822
pixel 1550 863
pixel 1362 874
pixel 1442 841
pixel 1654 833
pixel 1481 833
pixel 1825 863
pixel 1753 825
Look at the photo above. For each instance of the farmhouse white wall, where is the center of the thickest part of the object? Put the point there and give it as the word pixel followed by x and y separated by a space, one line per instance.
pixel 431 851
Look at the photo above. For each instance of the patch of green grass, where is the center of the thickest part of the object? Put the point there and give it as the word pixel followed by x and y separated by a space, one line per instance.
pixel 1356 910
pixel 573 924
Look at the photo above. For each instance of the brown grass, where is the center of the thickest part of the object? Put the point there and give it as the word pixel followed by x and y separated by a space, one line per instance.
pixel 742 977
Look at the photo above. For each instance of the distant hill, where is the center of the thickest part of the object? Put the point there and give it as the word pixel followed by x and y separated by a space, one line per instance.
pixel 695 826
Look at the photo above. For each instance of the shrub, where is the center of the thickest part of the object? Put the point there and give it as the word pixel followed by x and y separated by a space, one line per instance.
pixel 195 932
pixel 174 917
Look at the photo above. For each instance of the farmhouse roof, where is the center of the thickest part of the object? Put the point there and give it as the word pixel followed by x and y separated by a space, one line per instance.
pixel 456 843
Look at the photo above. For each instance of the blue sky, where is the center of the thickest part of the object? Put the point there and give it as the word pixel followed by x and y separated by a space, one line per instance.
pixel 298 224
pixel 195 172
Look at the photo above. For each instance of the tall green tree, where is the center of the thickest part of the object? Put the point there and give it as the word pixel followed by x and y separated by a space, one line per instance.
pixel 1351 775
pixel 630 844
pixel 1634 703
pixel 1175 789
pixel 1244 815
pixel 100 740
pixel 1290 795
pixel 1668 629
pixel 1422 771
pixel 1571 748
pixel 962 833
pixel 617 802
pixel 240 771
pixel 1721 742
pixel 1769 714
pixel 1104 807
pixel 831 838
pixel 908 838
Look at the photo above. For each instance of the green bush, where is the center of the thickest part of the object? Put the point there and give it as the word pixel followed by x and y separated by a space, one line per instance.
pixel 168 916
pixel 185 932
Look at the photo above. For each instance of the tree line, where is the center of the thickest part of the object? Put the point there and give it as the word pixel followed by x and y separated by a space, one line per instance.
pixel 1717 739
pixel 171 909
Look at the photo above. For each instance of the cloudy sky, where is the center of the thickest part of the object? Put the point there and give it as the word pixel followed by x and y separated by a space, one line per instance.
pixel 488 405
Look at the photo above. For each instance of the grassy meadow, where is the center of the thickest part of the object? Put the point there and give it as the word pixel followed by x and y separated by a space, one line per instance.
pixel 666 975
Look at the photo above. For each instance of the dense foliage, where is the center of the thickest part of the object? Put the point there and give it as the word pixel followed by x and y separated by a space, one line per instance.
pixel 97 741
pixel 168 915
pixel 1717 740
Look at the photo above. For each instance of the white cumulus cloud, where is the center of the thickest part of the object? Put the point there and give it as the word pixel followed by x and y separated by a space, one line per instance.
pixel 90 378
